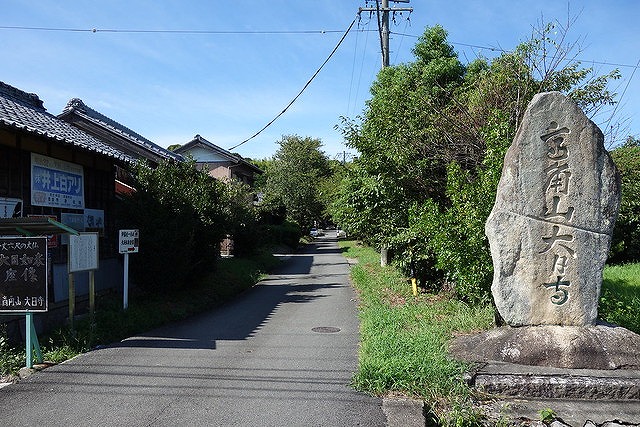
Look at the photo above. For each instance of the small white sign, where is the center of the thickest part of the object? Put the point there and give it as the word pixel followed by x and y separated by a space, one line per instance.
pixel 83 252
pixel 129 241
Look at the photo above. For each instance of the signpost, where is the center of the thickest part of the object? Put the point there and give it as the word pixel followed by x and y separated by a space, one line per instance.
pixel 23 270
pixel 128 242
pixel 83 256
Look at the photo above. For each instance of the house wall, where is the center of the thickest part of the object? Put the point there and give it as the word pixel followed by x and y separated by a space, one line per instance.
pixel 203 155
pixel 219 171
pixel 99 193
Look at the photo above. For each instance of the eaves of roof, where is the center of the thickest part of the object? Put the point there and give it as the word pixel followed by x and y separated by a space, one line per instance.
pixel 25 112
pixel 76 107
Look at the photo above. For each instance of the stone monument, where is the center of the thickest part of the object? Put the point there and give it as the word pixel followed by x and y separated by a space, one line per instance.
pixel 550 232
pixel 550 228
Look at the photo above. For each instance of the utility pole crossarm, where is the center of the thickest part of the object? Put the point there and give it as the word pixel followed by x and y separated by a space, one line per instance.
pixel 384 24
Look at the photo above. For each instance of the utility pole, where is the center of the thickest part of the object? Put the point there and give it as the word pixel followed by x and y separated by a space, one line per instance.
pixel 382 13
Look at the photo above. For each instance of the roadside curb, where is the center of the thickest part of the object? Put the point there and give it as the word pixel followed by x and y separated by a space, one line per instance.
pixel 403 412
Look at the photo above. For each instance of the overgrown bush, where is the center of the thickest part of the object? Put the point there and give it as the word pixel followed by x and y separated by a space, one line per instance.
pixel 454 234
pixel 11 359
pixel 180 212
pixel 241 219
pixel 431 143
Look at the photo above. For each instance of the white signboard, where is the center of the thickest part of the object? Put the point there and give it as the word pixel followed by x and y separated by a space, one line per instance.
pixel 129 241
pixel 56 183
pixel 83 252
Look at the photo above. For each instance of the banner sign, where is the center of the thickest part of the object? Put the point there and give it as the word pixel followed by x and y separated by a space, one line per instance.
pixel 23 274
pixel 56 183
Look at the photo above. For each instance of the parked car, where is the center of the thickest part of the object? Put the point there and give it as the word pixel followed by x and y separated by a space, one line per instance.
pixel 314 232
pixel 341 234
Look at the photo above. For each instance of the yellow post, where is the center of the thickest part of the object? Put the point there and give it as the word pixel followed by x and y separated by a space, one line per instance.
pixel 414 286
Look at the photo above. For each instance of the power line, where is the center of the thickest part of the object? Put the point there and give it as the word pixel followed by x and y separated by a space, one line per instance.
pixel 499 49
pixel 302 90
pixel 161 31
pixel 623 92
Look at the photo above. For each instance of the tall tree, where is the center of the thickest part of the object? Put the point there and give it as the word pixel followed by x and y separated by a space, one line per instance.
pixel 432 140
pixel 294 176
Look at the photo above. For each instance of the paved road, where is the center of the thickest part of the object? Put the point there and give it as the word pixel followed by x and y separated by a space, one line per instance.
pixel 254 362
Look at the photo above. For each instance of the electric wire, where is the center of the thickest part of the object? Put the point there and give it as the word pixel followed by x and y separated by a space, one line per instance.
pixel 344 36
pixel 285 32
pixel 406 24
pixel 498 49
pixel 364 51
pixel 256 32
pixel 353 69
pixel 623 93
pixel 160 31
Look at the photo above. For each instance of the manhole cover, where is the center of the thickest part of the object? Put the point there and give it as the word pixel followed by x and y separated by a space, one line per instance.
pixel 325 329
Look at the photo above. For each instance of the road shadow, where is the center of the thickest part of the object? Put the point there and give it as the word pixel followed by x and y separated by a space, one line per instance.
pixel 238 320
pixel 241 318
pixel 295 264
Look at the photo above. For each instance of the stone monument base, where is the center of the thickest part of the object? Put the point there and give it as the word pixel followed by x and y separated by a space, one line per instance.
pixel 597 363
pixel 602 347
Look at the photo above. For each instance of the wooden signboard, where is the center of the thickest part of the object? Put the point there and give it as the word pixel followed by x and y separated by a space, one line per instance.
pixel 23 274
pixel 83 252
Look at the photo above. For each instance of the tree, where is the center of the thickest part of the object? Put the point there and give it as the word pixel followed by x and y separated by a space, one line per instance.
pixel 401 150
pixel 432 142
pixel 625 246
pixel 293 179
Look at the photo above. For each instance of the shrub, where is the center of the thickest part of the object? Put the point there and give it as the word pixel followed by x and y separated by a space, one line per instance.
pixel 179 211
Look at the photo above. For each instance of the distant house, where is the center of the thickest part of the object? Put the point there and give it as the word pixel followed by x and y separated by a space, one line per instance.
pixel 78 114
pixel 220 163
pixel 50 168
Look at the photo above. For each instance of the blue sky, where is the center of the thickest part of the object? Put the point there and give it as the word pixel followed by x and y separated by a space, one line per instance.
pixel 229 81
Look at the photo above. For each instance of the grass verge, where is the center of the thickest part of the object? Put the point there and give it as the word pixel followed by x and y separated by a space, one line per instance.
pixel 404 338
pixel 145 312
pixel 620 296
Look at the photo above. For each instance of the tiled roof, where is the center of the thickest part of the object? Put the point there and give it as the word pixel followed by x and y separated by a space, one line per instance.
pixel 232 157
pixel 25 112
pixel 76 106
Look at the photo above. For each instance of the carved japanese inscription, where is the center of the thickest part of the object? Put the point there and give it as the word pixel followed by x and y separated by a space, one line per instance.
pixel 557 187
pixel 550 228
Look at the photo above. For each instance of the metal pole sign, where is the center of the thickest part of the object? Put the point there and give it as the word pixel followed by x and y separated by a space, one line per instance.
pixel 23 272
pixel 128 242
